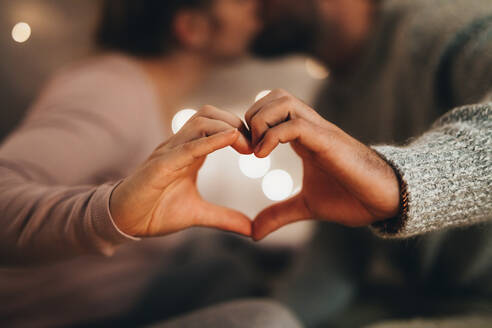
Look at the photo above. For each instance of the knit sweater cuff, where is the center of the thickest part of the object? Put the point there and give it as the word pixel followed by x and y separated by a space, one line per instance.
pixel 396 224
pixel 448 173
pixel 442 191
pixel 409 168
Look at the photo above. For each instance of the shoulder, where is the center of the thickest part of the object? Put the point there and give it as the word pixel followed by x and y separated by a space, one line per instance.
pixel 101 77
pixel 446 44
pixel 428 23
pixel 109 91
pixel 477 115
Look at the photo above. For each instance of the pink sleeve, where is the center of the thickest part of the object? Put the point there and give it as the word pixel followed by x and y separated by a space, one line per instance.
pixel 54 201
pixel 44 223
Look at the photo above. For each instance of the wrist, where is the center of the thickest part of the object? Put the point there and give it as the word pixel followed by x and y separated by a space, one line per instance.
pixel 395 223
pixel 117 210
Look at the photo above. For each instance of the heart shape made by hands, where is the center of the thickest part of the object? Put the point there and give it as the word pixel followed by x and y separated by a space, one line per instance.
pixel 343 180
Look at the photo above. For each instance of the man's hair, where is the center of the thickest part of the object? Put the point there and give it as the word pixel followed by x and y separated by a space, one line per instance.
pixel 293 32
pixel 141 27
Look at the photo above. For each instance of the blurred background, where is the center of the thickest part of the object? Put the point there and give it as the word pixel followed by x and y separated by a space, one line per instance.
pixel 38 37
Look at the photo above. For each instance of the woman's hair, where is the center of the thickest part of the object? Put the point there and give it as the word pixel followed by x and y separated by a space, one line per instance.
pixel 141 27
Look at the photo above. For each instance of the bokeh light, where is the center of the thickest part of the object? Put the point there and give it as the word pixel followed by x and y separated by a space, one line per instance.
pixel 254 167
pixel 316 70
pixel 180 119
pixel 21 32
pixel 277 185
pixel 262 94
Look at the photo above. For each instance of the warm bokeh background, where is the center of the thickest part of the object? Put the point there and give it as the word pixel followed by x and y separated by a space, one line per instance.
pixel 61 34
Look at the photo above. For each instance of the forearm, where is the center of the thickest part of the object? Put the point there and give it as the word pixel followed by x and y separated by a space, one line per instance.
pixel 42 223
pixel 75 138
pixel 447 172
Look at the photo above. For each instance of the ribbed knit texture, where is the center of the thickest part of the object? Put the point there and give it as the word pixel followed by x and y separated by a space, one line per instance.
pixel 426 58
pixel 448 172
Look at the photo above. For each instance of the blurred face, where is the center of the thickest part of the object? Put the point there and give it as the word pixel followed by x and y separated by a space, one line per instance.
pixel 333 30
pixel 290 26
pixel 235 25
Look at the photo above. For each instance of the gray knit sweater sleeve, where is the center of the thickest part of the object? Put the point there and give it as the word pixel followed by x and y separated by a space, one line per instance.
pixel 447 172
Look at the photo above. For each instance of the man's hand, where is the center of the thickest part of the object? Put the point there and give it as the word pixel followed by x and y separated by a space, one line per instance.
pixel 161 196
pixel 344 181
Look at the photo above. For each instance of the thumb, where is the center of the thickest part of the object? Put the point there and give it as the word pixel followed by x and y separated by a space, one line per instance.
pixel 223 218
pixel 279 215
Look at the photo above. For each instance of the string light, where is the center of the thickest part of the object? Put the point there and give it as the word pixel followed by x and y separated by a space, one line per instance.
pixel 316 70
pixel 254 167
pixel 180 119
pixel 21 32
pixel 277 185
pixel 262 94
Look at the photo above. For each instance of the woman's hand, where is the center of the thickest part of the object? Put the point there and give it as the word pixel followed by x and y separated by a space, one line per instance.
pixel 161 197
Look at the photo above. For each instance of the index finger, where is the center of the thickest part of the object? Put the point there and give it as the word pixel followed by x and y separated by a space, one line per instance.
pixel 243 143
pixel 272 96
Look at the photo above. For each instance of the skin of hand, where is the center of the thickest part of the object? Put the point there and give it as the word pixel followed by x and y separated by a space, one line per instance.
pixel 344 181
pixel 161 197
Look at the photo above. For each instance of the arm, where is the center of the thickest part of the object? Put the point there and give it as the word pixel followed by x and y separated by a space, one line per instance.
pixel 52 199
pixel 448 171
pixel 43 223
pixel 52 206
pixel 447 174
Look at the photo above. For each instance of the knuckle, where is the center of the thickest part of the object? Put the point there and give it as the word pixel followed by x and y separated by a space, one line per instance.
pixel 200 122
pixel 280 92
pixel 299 123
pixel 286 101
pixel 206 110
pixel 187 148
pixel 248 116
